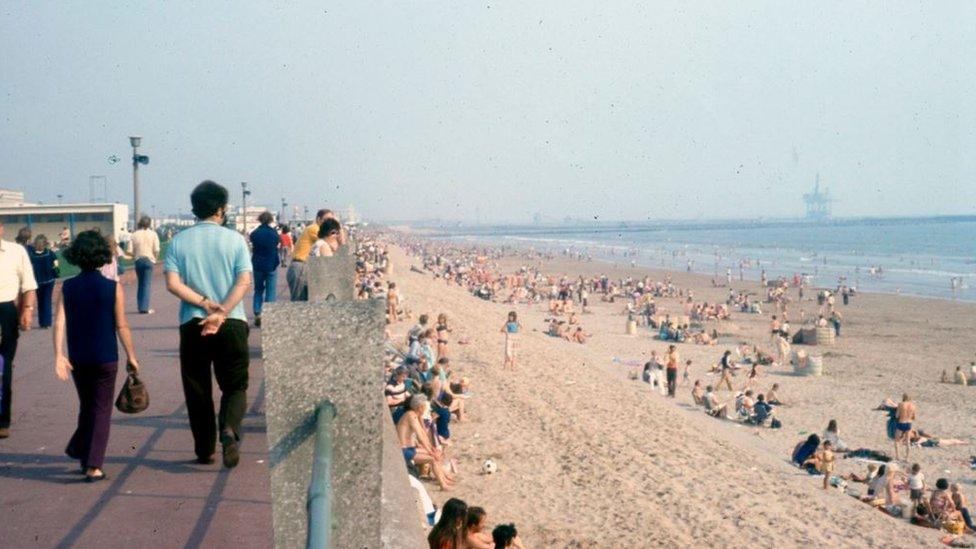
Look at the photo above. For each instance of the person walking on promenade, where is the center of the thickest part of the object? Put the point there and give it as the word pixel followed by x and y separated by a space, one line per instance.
pixel 24 237
pixel 209 268
pixel 45 265
pixel 91 311
pixel 17 298
pixel 296 276
pixel 287 246
pixel 264 258
pixel 144 249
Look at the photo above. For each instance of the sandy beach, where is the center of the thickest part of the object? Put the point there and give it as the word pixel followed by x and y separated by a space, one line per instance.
pixel 590 458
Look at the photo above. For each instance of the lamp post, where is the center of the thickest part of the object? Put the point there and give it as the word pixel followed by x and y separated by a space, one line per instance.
pixel 244 194
pixel 281 215
pixel 137 159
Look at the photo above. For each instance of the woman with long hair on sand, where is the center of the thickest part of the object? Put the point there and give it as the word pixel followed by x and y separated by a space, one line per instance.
pixel 511 329
pixel 448 533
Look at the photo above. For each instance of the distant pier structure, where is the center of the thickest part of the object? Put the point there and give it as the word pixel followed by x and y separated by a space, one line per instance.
pixel 818 202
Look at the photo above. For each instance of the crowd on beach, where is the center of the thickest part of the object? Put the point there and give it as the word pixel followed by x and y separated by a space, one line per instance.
pixel 739 370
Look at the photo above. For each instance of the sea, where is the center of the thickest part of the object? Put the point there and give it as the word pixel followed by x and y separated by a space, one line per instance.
pixel 926 257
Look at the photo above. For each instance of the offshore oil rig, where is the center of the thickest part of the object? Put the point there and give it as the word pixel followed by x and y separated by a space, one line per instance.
pixel 817 202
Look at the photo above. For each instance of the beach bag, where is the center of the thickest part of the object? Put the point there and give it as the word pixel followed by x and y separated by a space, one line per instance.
pixel 775 424
pixel 134 397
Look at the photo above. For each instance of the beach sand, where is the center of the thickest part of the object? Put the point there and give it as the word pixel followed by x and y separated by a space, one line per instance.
pixel 589 458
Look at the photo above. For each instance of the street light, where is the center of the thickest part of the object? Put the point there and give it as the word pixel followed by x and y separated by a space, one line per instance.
pixel 137 159
pixel 60 196
pixel 281 215
pixel 244 194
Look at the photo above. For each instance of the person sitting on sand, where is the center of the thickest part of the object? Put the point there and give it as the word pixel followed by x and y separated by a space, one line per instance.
pixel 960 377
pixel 892 479
pixel 698 393
pixel 761 411
pixel 941 504
pixel 803 451
pixel 744 404
pixel 866 478
pixel 712 405
pixel 579 336
pixel 475 535
pixel 417 446
pixel 772 396
pixel 876 485
pixel 396 390
pixel 505 536
pixel 832 435
pixel 959 500
pixel 448 533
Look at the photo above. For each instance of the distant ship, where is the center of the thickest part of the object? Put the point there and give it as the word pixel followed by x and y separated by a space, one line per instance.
pixel 817 202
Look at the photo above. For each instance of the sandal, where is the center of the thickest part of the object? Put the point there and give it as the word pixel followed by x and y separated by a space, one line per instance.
pixel 95 478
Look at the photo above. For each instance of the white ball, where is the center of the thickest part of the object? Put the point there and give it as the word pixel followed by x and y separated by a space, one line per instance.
pixel 489 467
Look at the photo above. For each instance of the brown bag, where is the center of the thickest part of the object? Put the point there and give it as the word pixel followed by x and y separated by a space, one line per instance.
pixel 133 398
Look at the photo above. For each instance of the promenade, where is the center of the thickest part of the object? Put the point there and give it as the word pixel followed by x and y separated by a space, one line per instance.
pixel 156 495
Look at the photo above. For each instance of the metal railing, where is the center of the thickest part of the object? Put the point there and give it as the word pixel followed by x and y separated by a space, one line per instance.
pixel 320 489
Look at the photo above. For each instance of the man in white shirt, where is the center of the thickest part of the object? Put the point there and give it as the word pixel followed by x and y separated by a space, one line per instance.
pixel 144 248
pixel 17 298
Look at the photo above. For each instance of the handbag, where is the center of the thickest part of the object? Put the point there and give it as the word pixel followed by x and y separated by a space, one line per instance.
pixel 134 397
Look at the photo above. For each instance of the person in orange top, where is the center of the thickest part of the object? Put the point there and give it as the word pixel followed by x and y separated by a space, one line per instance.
pixel 296 276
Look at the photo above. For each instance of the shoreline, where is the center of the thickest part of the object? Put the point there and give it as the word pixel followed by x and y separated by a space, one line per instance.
pixel 528 243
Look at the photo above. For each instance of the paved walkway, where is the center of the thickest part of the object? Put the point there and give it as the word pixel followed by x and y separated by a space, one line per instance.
pixel 155 496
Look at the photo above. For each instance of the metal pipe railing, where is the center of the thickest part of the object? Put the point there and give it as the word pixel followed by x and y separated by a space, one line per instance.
pixel 320 489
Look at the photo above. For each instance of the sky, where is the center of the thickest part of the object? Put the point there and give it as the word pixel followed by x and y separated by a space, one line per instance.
pixel 497 112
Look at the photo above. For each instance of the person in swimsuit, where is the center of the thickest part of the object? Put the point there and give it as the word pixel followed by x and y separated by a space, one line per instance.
pixel 511 329
pixel 442 331
pixel 904 416
pixel 827 463
pixel 416 445
pixel 392 303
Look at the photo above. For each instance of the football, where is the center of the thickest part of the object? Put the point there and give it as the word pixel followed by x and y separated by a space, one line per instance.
pixel 489 467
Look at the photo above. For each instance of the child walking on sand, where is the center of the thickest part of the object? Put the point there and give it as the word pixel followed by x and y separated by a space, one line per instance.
pixel 511 329
pixel 827 463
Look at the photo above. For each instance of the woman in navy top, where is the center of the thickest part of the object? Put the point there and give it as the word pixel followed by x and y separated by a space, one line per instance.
pixel 90 313
pixel 265 259
pixel 45 264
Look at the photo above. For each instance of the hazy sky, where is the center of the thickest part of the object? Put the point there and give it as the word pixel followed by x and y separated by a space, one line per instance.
pixel 461 110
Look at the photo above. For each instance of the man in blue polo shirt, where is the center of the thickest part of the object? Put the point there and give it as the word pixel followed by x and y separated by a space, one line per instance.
pixel 208 267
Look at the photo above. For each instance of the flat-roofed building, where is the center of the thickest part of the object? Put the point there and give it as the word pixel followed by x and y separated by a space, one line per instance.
pixel 51 219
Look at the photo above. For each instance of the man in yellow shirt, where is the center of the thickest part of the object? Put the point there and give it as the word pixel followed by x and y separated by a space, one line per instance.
pixel 296 275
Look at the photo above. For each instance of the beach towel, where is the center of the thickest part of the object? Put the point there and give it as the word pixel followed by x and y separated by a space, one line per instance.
pixel 425 501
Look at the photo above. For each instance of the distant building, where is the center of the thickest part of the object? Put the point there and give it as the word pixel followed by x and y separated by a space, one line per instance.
pixel 51 219
pixel 11 198
pixel 247 219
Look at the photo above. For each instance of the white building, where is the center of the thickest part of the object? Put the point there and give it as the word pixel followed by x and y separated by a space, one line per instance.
pixel 248 219
pixel 51 219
